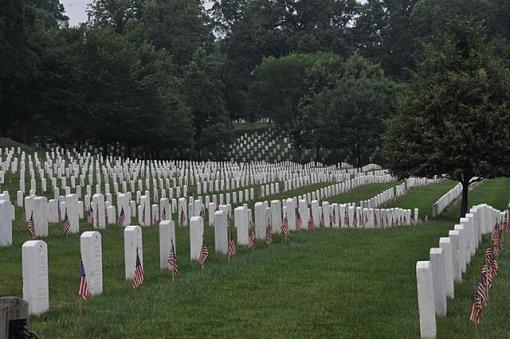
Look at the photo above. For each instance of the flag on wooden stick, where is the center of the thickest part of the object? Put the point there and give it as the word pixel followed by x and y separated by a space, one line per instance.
pixel 172 261
pixel 232 249
pixel 83 290
pixel 138 277
pixel 31 226
pixel 204 254
pixel 122 217
pixel 67 224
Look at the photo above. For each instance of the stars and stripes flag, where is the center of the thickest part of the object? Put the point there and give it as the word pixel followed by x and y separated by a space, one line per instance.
pixel 355 220
pixel 482 292
pixel 90 215
pixel 299 221
pixel 83 290
pixel 31 226
pixel 172 261
pixel 285 227
pixel 497 240
pixel 346 217
pixel 232 249
pixel 67 224
pixel 269 235
pixel 122 217
pixel 183 218
pixel 491 262
pixel 251 239
pixel 163 214
pixel 476 311
pixel 311 224
pixel 486 275
pixel 333 216
pixel 138 277
pixel 321 221
pixel 204 254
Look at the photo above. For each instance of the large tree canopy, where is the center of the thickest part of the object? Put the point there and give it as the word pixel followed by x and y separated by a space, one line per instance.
pixel 454 115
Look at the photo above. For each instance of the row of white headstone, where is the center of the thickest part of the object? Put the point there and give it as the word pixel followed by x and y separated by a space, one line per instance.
pixel 35 256
pixel 234 176
pixel 394 192
pixel 436 277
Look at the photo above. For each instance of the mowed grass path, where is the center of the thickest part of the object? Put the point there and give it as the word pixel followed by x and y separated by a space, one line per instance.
pixel 330 283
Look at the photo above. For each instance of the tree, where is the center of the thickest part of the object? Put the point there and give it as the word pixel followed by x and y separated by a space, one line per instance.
pixel 205 96
pixel 345 115
pixel 453 117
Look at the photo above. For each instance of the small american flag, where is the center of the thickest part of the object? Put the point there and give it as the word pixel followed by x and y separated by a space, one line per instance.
pixel 138 277
pixel 269 235
pixel 482 292
pixel 285 227
pixel 486 275
pixel 321 221
pixel 311 224
pixel 172 261
pixel 346 218
pixel 476 311
pixel 163 214
pixel 183 218
pixel 355 220
pixel 90 215
pixel 299 221
pixel 122 217
pixel 497 240
pixel 251 239
pixel 333 217
pixel 231 246
pixel 31 227
pixel 67 224
pixel 204 254
pixel 83 290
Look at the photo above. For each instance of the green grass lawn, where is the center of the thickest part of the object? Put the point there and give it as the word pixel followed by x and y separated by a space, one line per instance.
pixel 329 283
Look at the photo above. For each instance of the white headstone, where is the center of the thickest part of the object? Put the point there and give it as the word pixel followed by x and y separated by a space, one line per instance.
pixel 426 300
pixel 5 223
pixel 92 257
pixel 166 240
pixel 196 237
pixel 438 271
pixel 34 256
pixel 220 232
pixel 132 245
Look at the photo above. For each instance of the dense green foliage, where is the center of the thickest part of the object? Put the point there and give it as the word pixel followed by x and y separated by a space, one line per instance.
pixel 166 77
pixel 453 116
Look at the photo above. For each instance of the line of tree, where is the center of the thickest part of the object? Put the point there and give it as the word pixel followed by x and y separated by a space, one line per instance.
pixel 167 77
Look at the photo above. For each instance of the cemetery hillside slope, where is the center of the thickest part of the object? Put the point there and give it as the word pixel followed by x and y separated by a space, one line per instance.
pixel 352 282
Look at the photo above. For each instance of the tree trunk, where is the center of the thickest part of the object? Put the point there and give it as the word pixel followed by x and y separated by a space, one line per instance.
pixel 464 202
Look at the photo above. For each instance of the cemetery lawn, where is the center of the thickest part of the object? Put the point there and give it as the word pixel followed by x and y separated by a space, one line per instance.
pixel 329 283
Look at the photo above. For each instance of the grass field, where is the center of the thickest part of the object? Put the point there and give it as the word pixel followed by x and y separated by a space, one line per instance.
pixel 347 283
